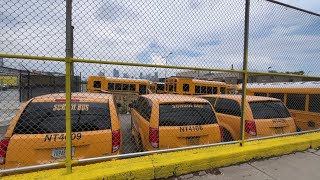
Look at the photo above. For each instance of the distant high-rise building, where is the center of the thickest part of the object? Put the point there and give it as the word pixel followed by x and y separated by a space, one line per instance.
pixel 116 73
pixel 126 75
pixel 100 73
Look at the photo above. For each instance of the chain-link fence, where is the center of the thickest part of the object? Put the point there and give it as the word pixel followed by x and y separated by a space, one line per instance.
pixel 140 77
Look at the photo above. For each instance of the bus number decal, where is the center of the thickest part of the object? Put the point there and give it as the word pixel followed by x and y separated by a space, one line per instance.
pixel 61 137
pixel 191 128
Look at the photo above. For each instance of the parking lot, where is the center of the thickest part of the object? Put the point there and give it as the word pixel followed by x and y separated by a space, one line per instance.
pixel 9 105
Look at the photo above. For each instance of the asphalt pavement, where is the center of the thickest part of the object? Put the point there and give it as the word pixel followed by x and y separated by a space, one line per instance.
pixel 129 145
pixel 9 105
pixel 300 165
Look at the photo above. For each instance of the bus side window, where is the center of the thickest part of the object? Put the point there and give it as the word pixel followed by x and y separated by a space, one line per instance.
pixel 314 103
pixel 227 106
pixel 197 89
pixel 210 90
pixel 160 87
pixel 97 84
pixel 142 89
pixel 222 90
pixel 261 94
pixel 215 90
pixel 203 89
pixel 125 87
pixel 296 101
pixel 110 86
pixel 170 88
pixel 118 86
pixel 185 87
pixel 132 87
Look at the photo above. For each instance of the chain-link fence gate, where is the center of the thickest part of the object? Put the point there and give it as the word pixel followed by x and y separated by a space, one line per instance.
pixel 145 77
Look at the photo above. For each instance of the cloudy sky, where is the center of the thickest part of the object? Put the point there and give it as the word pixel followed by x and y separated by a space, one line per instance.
pixel 195 33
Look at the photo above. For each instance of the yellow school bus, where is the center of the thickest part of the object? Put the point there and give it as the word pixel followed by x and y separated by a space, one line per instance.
pixel 162 121
pixel 189 86
pixel 124 90
pixel 101 83
pixel 36 134
pixel 158 87
pixel 301 98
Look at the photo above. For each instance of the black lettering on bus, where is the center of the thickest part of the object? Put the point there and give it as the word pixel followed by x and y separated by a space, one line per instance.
pixel 76 136
pixel 191 128
pixel 73 136
pixel 55 137
pixel 62 137
pixel 47 138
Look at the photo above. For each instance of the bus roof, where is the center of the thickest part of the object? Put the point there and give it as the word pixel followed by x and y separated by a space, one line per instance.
pixel 174 98
pixel 304 84
pixel 198 80
pixel 157 82
pixel 124 79
pixel 238 97
pixel 205 81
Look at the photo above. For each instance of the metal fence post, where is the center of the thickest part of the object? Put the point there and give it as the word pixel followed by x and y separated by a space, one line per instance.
pixel 245 71
pixel 68 85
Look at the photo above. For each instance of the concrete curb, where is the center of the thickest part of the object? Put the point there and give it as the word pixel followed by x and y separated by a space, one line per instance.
pixel 182 162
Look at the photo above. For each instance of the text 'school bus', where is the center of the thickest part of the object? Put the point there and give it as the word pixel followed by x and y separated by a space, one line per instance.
pixel 189 86
pixel 301 98
pixel 37 133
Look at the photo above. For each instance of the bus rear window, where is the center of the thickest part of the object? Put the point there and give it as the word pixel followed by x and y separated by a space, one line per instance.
pixel 49 117
pixel 268 110
pixel 184 114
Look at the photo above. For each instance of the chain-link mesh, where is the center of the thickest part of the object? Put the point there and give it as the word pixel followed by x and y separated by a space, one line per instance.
pixel 192 33
pixel 283 40
pixel 31 126
pixel 146 105
pixel 33 27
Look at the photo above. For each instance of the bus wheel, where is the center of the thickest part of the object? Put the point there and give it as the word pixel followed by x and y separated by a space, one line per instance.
pixel 139 145
pixel 298 129
pixel 227 135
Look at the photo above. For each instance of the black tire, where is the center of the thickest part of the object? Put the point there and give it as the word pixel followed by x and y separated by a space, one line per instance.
pixel 226 136
pixel 131 123
pixel 139 145
pixel 298 129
